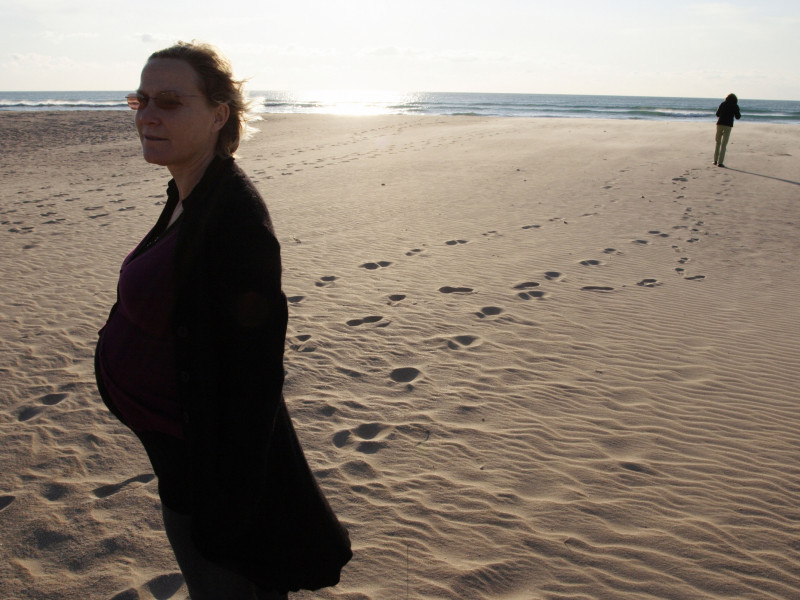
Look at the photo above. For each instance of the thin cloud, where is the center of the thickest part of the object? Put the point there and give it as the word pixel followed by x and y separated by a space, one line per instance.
pixel 40 61
pixel 56 37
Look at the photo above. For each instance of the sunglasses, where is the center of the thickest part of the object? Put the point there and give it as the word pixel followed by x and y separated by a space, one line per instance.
pixel 163 100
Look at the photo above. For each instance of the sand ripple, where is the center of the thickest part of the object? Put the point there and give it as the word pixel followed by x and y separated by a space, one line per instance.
pixel 520 370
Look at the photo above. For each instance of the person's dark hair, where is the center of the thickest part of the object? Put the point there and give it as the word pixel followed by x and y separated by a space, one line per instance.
pixel 215 73
pixel 732 98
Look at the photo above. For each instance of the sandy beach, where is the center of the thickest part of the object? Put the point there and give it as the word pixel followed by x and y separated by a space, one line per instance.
pixel 528 359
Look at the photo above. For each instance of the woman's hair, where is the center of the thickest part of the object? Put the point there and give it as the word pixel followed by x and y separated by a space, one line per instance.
pixel 732 98
pixel 217 83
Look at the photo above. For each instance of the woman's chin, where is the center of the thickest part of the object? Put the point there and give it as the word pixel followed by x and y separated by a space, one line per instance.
pixel 155 158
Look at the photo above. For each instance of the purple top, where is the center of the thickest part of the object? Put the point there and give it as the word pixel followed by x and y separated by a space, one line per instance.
pixel 137 352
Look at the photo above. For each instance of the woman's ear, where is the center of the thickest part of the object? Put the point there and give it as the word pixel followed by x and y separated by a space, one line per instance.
pixel 221 114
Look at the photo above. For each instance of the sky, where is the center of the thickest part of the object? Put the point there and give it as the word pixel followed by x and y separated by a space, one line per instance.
pixel 617 47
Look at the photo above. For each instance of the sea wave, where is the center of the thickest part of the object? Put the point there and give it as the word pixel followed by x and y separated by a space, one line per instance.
pixel 60 105
pixel 445 104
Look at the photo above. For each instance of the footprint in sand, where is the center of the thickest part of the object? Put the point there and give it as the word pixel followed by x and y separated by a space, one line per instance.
pixel 352 373
pixel 455 242
pixel 340 438
pixel 528 293
pixel 552 275
pixel 325 281
pixel 327 410
pixel 461 341
pixel 488 311
pixel 609 251
pixel 371 319
pixel 455 290
pixel 532 294
pixel 695 278
pixel 370 447
pixel 55 491
pixel 590 262
pixel 165 586
pixel 28 412
pixel 597 288
pixel 47 538
pixel 414 252
pixel 371 266
pixel 637 468
pixel 404 374
pixel 395 298
pixel 649 282
pixel 643 242
pixel 295 299
pixel 298 343
pixel 52 399
pixel 658 233
pixel 107 490
pixel 359 469
pixel 531 226
pixel 368 432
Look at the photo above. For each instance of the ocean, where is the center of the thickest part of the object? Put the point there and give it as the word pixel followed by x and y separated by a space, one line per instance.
pixel 450 103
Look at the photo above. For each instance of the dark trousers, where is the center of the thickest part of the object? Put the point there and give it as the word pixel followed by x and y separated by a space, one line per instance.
pixel 205 579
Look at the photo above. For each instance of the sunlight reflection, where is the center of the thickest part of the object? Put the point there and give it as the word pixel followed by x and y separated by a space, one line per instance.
pixel 334 102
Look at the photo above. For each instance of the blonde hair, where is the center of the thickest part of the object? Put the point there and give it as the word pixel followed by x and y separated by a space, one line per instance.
pixel 219 87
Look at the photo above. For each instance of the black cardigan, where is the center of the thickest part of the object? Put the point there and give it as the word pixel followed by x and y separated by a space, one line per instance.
pixel 256 506
pixel 727 111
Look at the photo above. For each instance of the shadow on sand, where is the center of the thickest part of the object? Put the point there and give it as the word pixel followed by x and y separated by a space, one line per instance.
pixel 765 176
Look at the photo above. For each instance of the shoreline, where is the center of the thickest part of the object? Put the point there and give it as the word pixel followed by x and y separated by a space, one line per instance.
pixel 365 102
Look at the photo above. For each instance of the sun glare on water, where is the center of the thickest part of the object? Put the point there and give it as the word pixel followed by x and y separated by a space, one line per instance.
pixel 333 102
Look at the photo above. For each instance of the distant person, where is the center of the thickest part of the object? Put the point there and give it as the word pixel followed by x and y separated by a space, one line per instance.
pixel 727 111
pixel 191 356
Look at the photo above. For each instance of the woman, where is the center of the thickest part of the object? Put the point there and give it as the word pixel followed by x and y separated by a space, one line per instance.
pixel 727 111
pixel 191 357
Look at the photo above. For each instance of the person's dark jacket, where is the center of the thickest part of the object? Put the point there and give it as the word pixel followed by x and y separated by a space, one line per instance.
pixel 256 506
pixel 727 111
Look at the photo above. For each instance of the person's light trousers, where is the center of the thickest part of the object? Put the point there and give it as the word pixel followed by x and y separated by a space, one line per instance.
pixel 723 135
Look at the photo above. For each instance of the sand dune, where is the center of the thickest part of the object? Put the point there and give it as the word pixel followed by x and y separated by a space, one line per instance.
pixel 528 359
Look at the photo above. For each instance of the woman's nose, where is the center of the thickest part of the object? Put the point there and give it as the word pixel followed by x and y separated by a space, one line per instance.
pixel 148 114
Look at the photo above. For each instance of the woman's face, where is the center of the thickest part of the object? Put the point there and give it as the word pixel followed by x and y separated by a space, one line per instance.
pixel 184 137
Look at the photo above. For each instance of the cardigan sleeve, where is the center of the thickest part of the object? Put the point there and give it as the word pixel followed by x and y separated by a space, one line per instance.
pixel 256 507
pixel 231 329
